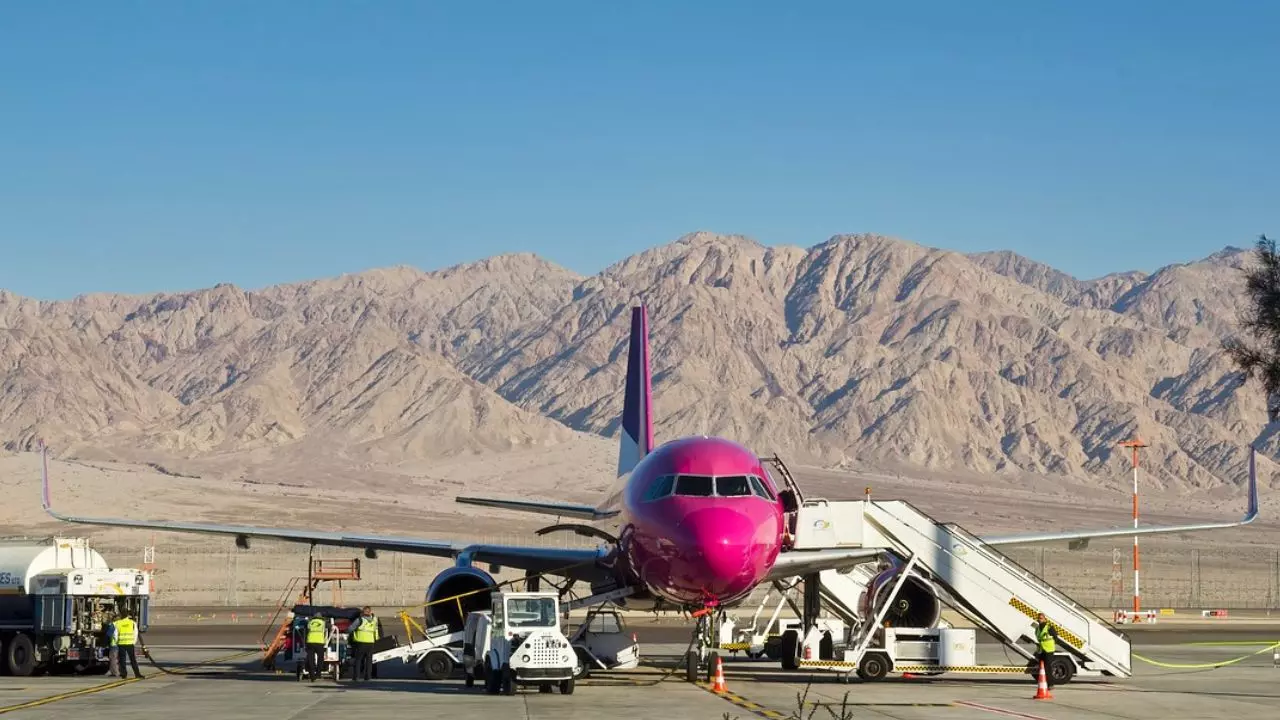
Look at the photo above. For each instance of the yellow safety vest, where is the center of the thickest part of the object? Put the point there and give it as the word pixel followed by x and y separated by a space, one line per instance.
pixel 126 632
pixel 366 630
pixel 315 631
pixel 1045 639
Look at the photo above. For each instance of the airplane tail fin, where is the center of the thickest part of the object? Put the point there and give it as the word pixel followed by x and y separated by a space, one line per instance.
pixel 637 409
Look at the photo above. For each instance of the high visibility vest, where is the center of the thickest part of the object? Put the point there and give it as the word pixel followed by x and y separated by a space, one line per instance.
pixel 366 630
pixel 1045 639
pixel 126 632
pixel 315 631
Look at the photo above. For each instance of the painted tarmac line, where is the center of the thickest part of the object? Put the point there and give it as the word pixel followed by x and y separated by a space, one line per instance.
pixel 745 704
pixel 115 684
pixel 998 711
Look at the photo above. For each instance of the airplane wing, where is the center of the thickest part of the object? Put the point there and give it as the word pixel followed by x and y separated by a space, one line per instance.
pixel 580 512
pixel 582 564
pixel 800 562
pixel 1076 536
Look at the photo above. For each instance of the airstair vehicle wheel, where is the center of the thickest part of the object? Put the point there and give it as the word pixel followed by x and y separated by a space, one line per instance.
pixel 790 650
pixel 1061 669
pixel 874 666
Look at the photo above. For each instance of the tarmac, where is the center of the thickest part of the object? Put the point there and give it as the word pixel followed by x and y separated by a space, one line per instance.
pixel 1174 677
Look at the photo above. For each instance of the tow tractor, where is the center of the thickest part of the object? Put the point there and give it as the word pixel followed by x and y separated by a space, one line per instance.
pixel 518 642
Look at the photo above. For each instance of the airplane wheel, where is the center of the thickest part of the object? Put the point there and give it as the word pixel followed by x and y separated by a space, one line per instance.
pixel 711 666
pixel 691 666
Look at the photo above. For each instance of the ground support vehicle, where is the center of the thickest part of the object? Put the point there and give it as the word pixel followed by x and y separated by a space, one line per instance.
pixel 602 642
pixel 518 641
pixel 57 597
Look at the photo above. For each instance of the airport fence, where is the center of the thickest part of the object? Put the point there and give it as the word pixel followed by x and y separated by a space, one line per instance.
pixel 1175 576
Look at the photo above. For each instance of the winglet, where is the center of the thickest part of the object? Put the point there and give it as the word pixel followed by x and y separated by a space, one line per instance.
pixel 636 439
pixel 1251 513
pixel 44 478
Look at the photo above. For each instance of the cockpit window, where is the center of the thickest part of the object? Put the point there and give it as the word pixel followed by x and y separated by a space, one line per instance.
pixel 760 488
pixel 733 486
pixel 660 487
pixel 693 485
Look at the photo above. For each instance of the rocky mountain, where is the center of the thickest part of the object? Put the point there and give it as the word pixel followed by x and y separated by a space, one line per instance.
pixel 859 350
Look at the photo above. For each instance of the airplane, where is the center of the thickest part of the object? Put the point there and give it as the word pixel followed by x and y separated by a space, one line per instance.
pixel 692 525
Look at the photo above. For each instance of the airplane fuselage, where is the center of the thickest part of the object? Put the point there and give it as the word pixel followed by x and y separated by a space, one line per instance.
pixel 700 522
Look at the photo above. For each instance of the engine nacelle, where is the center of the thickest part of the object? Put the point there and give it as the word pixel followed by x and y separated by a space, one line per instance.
pixel 916 605
pixel 454 582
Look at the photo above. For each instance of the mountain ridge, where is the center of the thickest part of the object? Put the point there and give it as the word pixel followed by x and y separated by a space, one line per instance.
pixel 861 350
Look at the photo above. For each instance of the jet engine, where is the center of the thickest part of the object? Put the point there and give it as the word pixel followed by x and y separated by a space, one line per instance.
pixel 916 605
pixel 454 582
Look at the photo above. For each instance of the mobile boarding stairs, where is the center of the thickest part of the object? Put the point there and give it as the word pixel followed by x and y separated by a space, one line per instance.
pixel 983 585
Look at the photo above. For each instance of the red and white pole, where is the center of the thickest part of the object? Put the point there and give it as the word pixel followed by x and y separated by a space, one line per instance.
pixel 1135 444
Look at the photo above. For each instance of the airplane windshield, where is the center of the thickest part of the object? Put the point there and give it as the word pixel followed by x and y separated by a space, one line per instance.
pixel 695 485
pixel 732 486
pixel 531 612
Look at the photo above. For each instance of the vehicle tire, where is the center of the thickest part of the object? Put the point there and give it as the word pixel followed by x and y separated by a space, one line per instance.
pixel 491 680
pixel 4 648
pixel 469 680
pixel 20 656
pixel 1060 670
pixel 508 681
pixel 789 649
pixel 691 666
pixel 437 666
pixel 566 687
pixel 711 666
pixel 582 667
pixel 773 648
pixel 874 666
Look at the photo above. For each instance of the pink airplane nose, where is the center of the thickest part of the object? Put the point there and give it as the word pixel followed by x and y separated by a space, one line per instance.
pixel 725 557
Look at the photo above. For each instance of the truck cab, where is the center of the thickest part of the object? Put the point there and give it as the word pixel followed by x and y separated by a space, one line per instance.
pixel 518 641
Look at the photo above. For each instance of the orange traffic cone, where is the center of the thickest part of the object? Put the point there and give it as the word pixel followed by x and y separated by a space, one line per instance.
pixel 717 683
pixel 1042 690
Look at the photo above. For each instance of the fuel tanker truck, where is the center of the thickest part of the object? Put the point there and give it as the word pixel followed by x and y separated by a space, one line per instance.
pixel 57 597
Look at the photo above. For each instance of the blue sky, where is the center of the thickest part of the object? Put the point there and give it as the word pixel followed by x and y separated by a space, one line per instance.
pixel 166 146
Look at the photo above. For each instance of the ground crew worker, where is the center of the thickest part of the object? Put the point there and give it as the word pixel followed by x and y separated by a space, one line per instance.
pixel 364 633
pixel 317 640
pixel 126 636
pixel 1046 636
pixel 113 668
